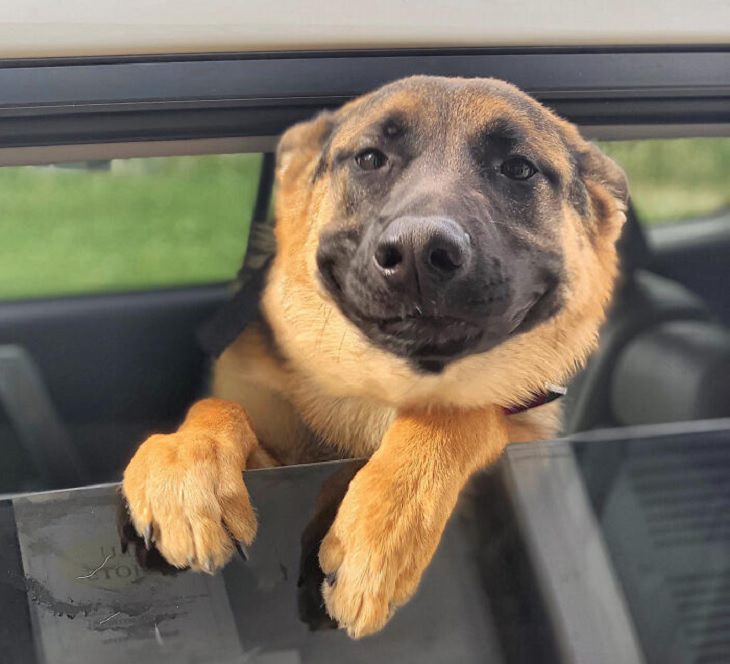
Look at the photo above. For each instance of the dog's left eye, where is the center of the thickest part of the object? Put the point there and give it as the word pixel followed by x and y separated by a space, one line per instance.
pixel 370 160
pixel 518 168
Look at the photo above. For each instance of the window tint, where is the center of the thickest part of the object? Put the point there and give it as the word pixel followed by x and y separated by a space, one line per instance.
pixel 125 224
pixel 676 179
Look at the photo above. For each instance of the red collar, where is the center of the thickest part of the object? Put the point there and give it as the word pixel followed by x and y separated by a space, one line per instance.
pixel 551 393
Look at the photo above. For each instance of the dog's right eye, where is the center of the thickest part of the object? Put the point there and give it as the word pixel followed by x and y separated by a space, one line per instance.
pixel 518 168
pixel 370 159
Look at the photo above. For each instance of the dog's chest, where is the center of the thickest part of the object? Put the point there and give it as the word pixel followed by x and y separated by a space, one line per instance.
pixel 293 416
pixel 353 426
pixel 298 423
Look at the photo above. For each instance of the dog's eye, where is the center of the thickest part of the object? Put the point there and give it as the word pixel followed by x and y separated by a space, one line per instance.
pixel 518 168
pixel 371 159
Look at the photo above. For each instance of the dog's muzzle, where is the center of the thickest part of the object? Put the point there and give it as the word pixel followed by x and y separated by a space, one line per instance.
pixel 423 289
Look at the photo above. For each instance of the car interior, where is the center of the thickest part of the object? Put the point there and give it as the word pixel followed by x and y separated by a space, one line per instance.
pixel 99 349
pixel 664 349
pixel 85 378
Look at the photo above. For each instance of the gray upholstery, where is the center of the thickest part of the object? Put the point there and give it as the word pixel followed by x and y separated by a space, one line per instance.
pixel 675 371
pixel 643 302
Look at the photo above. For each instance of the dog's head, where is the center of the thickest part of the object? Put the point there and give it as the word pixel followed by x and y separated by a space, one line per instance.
pixel 437 232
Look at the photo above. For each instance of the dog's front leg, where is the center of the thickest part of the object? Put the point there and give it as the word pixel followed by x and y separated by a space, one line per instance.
pixel 396 508
pixel 185 490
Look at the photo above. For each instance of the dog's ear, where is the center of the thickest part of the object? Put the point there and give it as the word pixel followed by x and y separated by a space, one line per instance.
pixel 301 146
pixel 601 190
pixel 598 168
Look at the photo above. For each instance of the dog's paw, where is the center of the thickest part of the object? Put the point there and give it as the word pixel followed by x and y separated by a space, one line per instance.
pixel 374 555
pixel 186 495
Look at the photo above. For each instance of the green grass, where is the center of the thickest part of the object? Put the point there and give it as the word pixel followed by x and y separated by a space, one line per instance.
pixel 149 223
pixel 144 223
pixel 672 180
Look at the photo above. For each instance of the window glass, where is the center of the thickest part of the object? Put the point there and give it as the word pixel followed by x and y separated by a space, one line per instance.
pixel 676 179
pixel 124 224
pixel 131 224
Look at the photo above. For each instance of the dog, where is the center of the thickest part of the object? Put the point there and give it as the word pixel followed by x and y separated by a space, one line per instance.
pixel 445 249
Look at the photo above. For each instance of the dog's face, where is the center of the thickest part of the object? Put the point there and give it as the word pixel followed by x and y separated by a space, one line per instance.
pixel 435 222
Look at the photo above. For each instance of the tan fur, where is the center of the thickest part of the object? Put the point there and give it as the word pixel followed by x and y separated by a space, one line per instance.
pixel 199 467
pixel 390 522
pixel 336 394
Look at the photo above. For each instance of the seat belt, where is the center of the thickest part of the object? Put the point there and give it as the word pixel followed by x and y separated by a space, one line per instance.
pixel 28 405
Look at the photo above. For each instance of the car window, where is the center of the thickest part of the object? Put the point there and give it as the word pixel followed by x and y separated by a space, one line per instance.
pixel 124 224
pixel 675 179
pixel 135 224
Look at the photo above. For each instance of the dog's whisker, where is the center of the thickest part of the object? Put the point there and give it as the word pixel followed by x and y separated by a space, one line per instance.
pixel 342 341
pixel 327 316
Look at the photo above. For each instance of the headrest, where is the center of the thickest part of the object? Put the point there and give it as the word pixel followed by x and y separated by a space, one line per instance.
pixel 675 371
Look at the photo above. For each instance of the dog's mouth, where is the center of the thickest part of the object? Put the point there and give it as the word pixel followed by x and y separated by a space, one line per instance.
pixel 525 317
pixel 432 337
pixel 430 340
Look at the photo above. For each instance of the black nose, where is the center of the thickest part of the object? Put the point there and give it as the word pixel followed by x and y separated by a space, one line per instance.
pixel 415 252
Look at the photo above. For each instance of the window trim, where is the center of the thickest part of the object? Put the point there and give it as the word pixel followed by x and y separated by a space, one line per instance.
pixel 82 100
pixel 40 155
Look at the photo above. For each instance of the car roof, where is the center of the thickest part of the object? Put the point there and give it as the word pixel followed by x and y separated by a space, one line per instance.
pixel 48 28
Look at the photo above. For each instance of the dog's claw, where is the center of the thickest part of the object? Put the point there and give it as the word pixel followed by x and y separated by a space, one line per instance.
pixel 148 536
pixel 208 566
pixel 331 578
pixel 242 551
